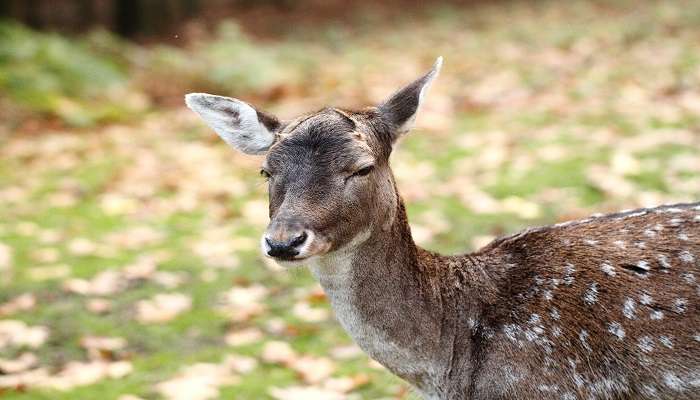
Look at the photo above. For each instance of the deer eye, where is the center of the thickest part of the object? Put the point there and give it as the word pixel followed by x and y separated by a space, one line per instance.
pixel 363 171
pixel 265 174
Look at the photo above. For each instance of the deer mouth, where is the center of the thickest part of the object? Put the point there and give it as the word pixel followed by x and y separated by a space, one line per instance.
pixel 296 252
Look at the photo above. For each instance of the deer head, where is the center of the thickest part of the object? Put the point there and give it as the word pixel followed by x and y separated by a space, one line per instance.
pixel 330 185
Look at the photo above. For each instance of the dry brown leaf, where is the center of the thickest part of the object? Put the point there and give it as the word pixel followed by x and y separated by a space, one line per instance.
pixel 18 334
pixel 101 347
pixel 346 352
pixel 305 312
pixel 77 373
pixel 20 364
pixel 169 280
pixel 46 255
pixel 313 369
pixel 243 337
pixel 129 397
pixel 278 352
pixel 197 382
pixel 22 302
pixel 99 306
pixel 162 307
pixel 82 246
pixel 240 364
pixel 30 378
pixel 305 393
pixel 5 257
pixel 345 384
pixel 103 284
pixel 242 303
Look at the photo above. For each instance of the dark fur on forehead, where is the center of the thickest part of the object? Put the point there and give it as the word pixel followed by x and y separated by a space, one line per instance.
pixel 324 137
pixel 332 129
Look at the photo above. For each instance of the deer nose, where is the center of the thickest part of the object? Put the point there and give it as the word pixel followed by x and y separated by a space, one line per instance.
pixel 286 249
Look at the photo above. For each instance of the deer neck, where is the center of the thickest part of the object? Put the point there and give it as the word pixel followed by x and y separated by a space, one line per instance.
pixel 386 299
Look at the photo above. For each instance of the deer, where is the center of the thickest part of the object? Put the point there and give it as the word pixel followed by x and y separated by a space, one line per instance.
pixel 606 307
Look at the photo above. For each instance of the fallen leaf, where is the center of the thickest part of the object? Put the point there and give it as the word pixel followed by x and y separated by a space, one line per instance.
pixel 101 347
pixel 18 334
pixel 77 373
pixel 240 364
pixel 346 352
pixel 98 306
pixel 313 369
pixel 22 302
pixel 103 284
pixel 197 382
pixel 82 246
pixel 278 352
pixel 241 303
pixel 5 257
pixel 243 337
pixel 305 393
pixel 20 364
pixel 305 312
pixel 162 307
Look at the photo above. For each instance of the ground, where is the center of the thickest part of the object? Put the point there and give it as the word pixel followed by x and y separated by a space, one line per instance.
pixel 129 261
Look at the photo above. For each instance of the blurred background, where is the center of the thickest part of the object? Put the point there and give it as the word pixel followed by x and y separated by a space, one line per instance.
pixel 129 266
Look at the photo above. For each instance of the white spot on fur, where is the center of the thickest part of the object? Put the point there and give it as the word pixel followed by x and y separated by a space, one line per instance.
pixel 674 210
pixel 643 265
pixel 569 271
pixel 556 331
pixel 656 315
pixel 649 390
pixel 666 341
pixel 629 308
pixel 590 242
pixel 583 337
pixel 608 269
pixel 686 256
pixel 591 295
pixel 548 295
pixel 649 233
pixel 554 313
pixel 548 388
pixel 688 277
pixel 616 329
pixel 511 332
pixel 675 222
pixel 697 336
pixel 621 244
pixel 684 237
pixel 646 344
pixel 672 381
pixel 645 299
pixel 680 305
pixel 663 260
pixel 641 245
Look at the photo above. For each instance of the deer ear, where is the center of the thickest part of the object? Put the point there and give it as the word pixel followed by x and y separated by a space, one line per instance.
pixel 239 124
pixel 401 108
